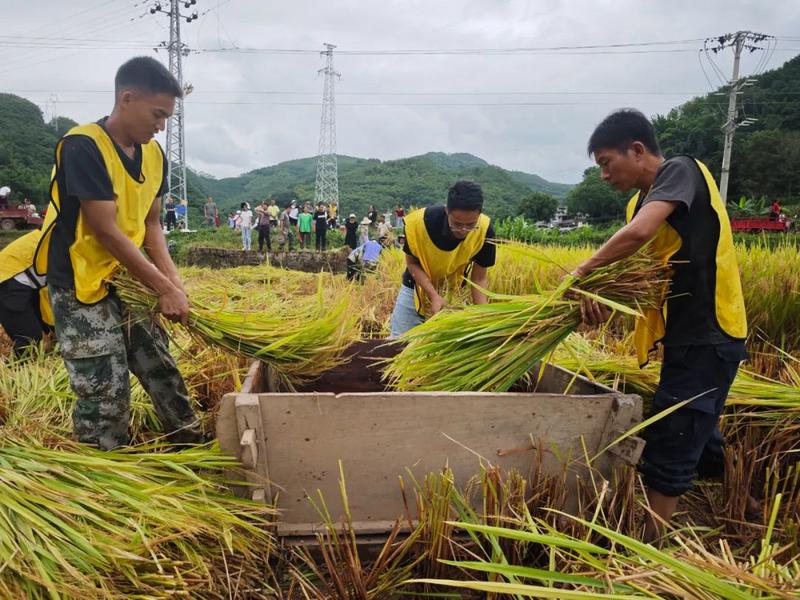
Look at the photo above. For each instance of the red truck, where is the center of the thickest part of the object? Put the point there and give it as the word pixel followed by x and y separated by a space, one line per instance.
pixel 18 218
pixel 782 224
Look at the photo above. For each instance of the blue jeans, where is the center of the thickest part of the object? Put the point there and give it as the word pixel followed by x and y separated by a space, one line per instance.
pixel 405 315
pixel 246 237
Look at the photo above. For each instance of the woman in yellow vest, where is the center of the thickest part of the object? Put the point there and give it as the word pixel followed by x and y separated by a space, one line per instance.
pixel 24 307
pixel 443 245
pixel 104 210
pixel 702 324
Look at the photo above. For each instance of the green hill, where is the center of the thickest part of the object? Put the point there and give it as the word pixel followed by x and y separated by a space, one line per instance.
pixel 26 148
pixel 766 155
pixel 418 180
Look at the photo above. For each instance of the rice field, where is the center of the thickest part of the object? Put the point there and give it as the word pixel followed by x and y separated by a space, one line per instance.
pixel 151 523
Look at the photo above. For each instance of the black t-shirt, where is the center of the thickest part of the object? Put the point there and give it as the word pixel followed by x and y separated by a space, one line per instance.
pixel 321 219
pixel 691 304
pixel 83 176
pixel 436 225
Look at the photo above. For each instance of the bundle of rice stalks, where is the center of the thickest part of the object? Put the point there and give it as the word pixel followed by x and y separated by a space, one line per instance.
pixel 81 523
pixel 300 341
pixel 759 398
pixel 256 288
pixel 621 566
pixel 491 347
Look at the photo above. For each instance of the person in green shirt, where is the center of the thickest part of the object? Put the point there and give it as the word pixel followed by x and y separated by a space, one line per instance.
pixel 304 220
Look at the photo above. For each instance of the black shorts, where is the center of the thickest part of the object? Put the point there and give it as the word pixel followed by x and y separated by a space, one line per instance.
pixel 687 440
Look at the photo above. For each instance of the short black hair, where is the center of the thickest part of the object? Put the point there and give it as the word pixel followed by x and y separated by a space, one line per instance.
pixel 146 74
pixel 620 129
pixel 465 195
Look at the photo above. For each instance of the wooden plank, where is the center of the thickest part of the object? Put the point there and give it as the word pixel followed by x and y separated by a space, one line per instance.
pixel 254 381
pixel 380 436
pixel 362 527
pixel 252 445
pixel 625 413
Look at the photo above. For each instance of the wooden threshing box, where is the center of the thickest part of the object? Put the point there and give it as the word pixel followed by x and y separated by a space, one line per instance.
pixel 294 441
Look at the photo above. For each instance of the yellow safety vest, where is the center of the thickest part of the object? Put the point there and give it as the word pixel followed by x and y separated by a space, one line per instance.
pixel 16 258
pixel 728 297
pixel 92 264
pixel 446 269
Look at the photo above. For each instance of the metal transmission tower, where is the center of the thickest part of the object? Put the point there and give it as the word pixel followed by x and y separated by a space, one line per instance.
pixel 327 185
pixel 176 142
pixel 739 41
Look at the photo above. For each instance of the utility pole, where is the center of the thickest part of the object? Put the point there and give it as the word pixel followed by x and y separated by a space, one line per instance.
pixel 54 102
pixel 176 142
pixel 327 184
pixel 739 41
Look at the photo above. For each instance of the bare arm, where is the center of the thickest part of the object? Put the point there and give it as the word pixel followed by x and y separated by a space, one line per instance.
pixel 422 280
pixel 100 215
pixel 622 244
pixel 480 277
pixel 630 238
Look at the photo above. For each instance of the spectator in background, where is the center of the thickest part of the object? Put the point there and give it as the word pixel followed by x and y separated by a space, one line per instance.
pixel 172 217
pixel 5 193
pixel 28 206
pixel 210 212
pixel 363 231
pixel 285 229
pixel 372 214
pixel 246 226
pixel 232 220
pixel 333 214
pixel 321 227
pixel 263 224
pixel 304 221
pixel 274 213
pixel 384 229
pixel 399 215
pixel 293 214
pixel 351 232
pixel 180 213
pixel 775 211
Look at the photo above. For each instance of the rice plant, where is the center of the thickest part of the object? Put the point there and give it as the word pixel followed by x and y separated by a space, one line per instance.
pixel 491 347
pixel 82 523
pixel 300 341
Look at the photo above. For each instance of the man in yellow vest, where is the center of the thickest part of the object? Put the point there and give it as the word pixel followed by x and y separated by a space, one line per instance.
pixel 702 325
pixel 443 245
pixel 104 209
pixel 24 307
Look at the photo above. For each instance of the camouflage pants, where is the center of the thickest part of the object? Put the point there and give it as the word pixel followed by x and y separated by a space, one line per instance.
pixel 99 344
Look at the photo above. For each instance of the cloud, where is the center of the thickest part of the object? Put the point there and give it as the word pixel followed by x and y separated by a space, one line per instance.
pixel 231 128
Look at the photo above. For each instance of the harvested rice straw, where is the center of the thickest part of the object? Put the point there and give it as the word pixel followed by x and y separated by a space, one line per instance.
pixel 491 347
pixel 82 523
pixel 300 342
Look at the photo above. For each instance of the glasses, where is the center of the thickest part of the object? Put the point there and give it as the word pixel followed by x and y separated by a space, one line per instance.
pixel 461 226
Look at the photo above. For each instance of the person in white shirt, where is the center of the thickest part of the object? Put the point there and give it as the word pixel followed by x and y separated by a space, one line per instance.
pixel 384 229
pixel 246 225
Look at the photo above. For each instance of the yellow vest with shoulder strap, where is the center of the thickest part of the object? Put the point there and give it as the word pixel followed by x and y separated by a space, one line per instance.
pixel 446 269
pixel 92 264
pixel 728 297
pixel 18 257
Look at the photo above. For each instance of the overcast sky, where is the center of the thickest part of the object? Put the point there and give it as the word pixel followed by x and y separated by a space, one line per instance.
pixel 530 111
